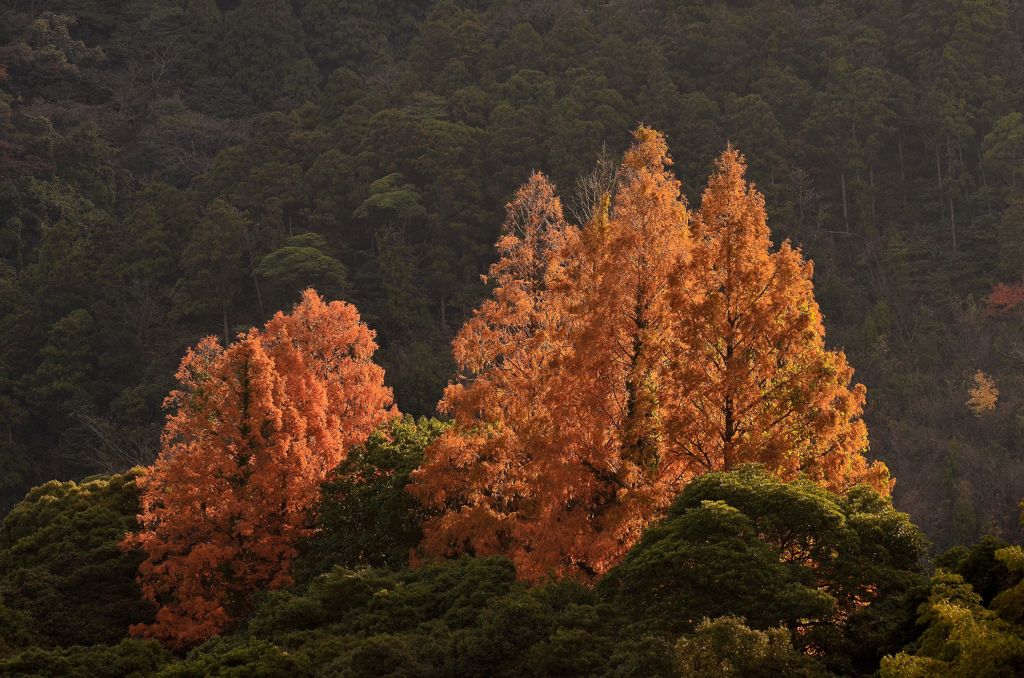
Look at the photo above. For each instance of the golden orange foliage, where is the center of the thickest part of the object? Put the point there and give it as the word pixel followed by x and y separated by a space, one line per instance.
pixel 482 472
pixel 983 394
pixel 610 468
pixel 764 387
pixel 254 429
pixel 617 360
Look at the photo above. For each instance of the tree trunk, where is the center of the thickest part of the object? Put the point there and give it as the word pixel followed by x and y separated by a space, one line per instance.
pixel 259 296
pixel 728 406
pixel 871 182
pixel 252 269
pixel 899 146
pixel 984 180
pixel 949 180
pixel 846 213
pixel 952 221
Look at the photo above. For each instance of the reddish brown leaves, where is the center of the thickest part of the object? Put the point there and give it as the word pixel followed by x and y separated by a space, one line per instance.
pixel 1006 299
pixel 479 473
pixel 254 429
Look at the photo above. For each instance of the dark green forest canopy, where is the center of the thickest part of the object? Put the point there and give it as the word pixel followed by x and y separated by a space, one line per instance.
pixel 746 571
pixel 173 169
pixel 63 575
pixel 778 554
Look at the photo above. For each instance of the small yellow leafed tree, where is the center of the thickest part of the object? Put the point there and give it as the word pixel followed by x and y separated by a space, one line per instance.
pixel 983 394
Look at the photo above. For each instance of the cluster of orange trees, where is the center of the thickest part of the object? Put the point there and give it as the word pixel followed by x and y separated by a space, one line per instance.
pixel 614 361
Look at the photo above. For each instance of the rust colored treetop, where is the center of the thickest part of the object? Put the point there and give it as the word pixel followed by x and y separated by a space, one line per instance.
pixel 764 386
pixel 254 428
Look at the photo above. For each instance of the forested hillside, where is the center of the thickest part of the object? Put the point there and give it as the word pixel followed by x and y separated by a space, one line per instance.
pixel 176 169
pixel 170 170
pixel 510 338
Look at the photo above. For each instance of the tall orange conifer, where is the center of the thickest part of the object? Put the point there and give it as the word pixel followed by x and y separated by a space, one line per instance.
pixel 253 431
pixel 765 388
pixel 610 470
pixel 478 475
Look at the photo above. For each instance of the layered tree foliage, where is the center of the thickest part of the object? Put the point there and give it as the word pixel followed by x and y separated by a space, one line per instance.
pixel 972 620
pixel 365 516
pixel 837 572
pixel 475 469
pixel 170 171
pixel 254 429
pixel 464 617
pixel 63 578
pixel 618 360
pixel 1008 603
pixel 961 637
pixel 764 386
pixel 727 647
pixel 749 575
pixel 127 658
pixel 832 569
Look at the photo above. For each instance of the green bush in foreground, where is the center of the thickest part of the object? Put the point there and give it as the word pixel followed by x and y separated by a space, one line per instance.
pixel 833 569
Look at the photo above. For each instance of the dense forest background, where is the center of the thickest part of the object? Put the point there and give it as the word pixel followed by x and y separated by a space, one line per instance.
pixel 170 170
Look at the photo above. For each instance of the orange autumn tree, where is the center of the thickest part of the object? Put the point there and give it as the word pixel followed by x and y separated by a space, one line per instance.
pixel 611 469
pixel 764 386
pixel 1005 299
pixel 479 474
pixel 254 428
